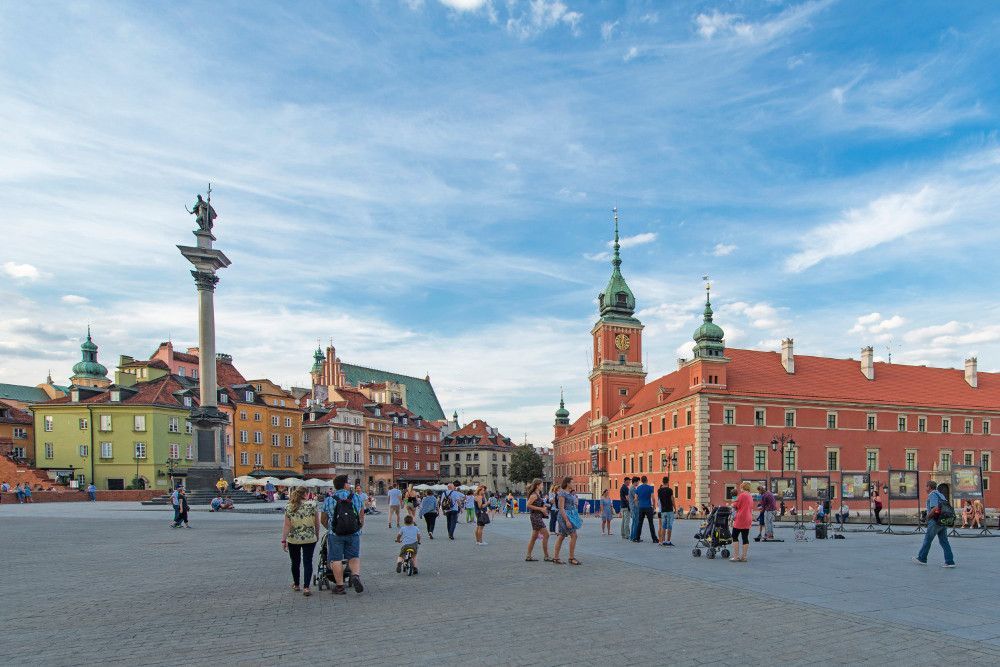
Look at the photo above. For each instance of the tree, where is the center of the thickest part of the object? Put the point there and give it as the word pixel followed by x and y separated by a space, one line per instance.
pixel 525 464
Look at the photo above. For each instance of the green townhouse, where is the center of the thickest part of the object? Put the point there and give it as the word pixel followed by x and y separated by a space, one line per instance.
pixel 113 435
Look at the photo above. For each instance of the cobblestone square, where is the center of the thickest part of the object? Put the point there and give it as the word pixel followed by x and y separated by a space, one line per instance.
pixel 112 583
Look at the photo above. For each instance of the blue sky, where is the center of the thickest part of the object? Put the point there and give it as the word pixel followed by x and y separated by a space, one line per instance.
pixel 430 183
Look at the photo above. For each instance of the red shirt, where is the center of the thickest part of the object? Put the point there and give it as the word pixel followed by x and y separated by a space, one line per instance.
pixel 744 511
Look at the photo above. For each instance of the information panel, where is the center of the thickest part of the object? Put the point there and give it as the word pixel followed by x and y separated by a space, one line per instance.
pixel 904 484
pixel 855 485
pixel 783 488
pixel 754 485
pixel 966 482
pixel 815 488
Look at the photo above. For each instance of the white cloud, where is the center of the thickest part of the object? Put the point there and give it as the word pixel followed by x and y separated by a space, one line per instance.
pixel 540 16
pixel 597 256
pixel 759 315
pixel 875 325
pixel 932 331
pixel 631 53
pixel 885 219
pixel 723 249
pixel 608 29
pixel 462 5
pixel 637 239
pixel 74 299
pixel 650 18
pixel 685 350
pixel 570 194
pixel 709 24
pixel 719 24
pixel 21 271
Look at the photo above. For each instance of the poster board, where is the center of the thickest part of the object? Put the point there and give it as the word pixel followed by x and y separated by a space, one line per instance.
pixel 754 484
pixel 855 485
pixel 966 482
pixel 815 487
pixel 904 485
pixel 783 488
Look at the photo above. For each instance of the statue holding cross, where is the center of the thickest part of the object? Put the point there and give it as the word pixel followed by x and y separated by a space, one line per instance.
pixel 203 212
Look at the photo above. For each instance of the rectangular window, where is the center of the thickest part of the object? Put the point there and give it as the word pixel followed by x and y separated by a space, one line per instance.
pixel 275 460
pixel 759 417
pixel 650 462
pixel 258 438
pixel 139 423
pixel 174 425
pixel 921 424
pixel 967 458
pixel 288 460
pixel 674 422
pixel 911 459
pixel 416 465
pixel 871 422
pixel 244 458
pixel 84 424
pixel 946 425
pixel 968 426
pixel 106 450
pixel 984 460
pixel 189 453
pixel 140 450
pixel 872 459
pixel 901 423
pixel 274 439
pixel 832 459
pixel 687 417
pixel 986 483
pixel 729 416
pixel 50 451
pixel 20 433
pixel 187 427
pixel 288 422
pixel 48 422
pixel 274 420
pixel 945 461
pixel 640 463
pixel 256 416
pixel 790 418
pixel 406 466
pixel 790 459
pixel 244 437
pixel 663 460
pixel 760 458
pixel 831 420
pixel 688 454
pixel 640 430
pixel 728 458
pixel 258 459
pixel 986 427
pixel 84 450
pixel 243 414
pixel 663 423
pixel 175 450
pixel 288 441
pixel 105 422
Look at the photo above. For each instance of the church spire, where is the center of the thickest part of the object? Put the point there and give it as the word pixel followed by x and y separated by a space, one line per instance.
pixel 562 414
pixel 709 336
pixel 617 300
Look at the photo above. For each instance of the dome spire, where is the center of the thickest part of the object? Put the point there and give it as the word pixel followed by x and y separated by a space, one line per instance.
pixel 562 414
pixel 616 261
pixel 708 300
pixel 709 336
pixel 616 301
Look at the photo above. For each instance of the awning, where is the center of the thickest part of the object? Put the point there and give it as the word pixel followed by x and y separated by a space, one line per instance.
pixel 277 472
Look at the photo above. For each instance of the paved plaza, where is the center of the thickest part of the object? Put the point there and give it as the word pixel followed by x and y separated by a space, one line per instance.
pixel 112 583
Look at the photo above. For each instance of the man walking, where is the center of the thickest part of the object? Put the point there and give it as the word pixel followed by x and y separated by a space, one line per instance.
pixel 633 505
pixel 626 509
pixel 92 492
pixel 940 517
pixel 395 497
pixel 769 504
pixel 644 502
pixel 665 495
pixel 182 509
pixel 344 514
pixel 451 504
pixel 175 503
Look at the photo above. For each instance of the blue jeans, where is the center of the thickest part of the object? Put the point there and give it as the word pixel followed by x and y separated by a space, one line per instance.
pixel 633 535
pixel 934 529
pixel 667 520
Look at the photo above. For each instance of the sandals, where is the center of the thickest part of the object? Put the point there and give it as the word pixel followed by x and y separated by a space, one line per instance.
pixel 547 559
pixel 556 561
pixel 295 587
pixel 306 592
pixel 573 561
pixel 529 559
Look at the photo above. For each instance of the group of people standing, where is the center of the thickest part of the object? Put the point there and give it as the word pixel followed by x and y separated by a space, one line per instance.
pixel 641 502
pixel 21 491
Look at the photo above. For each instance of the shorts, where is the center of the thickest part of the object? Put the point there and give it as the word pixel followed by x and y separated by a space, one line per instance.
pixel 408 547
pixel 667 520
pixel 343 547
pixel 760 518
pixel 743 533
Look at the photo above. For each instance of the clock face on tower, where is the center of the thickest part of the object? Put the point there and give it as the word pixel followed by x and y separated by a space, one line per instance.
pixel 622 342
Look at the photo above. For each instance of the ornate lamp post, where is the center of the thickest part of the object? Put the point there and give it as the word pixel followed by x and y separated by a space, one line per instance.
pixel 786 444
pixel 206 419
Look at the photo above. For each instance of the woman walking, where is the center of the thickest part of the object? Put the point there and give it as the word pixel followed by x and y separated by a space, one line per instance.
pixel 742 522
pixel 569 521
pixel 429 512
pixel 482 509
pixel 536 508
pixel 299 535
pixel 607 512
pixel 509 505
pixel 411 498
pixel 877 507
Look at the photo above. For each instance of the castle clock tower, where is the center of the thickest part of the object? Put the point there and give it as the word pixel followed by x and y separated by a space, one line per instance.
pixel 617 357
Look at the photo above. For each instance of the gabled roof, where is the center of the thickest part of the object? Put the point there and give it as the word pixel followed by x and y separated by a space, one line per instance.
pixel 420 396
pixel 10 414
pixel 579 425
pixel 391 409
pixel 159 392
pixel 23 393
pixel 482 434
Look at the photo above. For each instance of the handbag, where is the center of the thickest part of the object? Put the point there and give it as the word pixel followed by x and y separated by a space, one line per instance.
pixel 574 518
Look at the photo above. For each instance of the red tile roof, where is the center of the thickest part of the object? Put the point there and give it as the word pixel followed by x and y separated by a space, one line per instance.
pixel 480 429
pixel 390 409
pixel 155 392
pixel 186 358
pixel 579 425
pixel 14 415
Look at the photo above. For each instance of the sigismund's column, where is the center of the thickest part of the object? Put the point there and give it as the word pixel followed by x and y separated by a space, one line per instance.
pixel 206 419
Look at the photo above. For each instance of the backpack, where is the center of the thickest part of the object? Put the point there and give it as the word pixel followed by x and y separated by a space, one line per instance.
pixel 345 519
pixel 446 502
pixel 946 513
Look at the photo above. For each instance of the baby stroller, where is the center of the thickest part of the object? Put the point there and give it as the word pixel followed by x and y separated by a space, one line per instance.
pixel 324 575
pixel 714 534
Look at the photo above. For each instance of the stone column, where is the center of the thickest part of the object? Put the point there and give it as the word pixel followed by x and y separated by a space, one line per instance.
pixel 206 419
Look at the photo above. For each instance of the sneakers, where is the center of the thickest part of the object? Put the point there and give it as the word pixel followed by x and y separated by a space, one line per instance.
pixel 481 544
pixel 339 590
pixel 416 571
pixel 356 584
pixel 948 565
pixel 918 561
pixel 670 544
pixel 399 568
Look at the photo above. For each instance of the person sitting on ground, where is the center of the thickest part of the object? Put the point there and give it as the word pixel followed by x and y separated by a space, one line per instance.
pixel 227 504
pixel 966 513
pixel 409 537
pixel 843 515
pixel 216 504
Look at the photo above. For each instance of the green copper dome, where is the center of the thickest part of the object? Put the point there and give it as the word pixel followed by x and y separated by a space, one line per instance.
pixel 317 361
pixel 562 414
pixel 617 300
pixel 709 336
pixel 88 366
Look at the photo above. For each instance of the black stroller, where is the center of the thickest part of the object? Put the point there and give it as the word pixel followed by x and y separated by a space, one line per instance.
pixel 714 534
pixel 324 575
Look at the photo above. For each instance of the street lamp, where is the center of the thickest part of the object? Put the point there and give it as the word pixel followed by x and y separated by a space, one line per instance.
pixel 673 461
pixel 787 444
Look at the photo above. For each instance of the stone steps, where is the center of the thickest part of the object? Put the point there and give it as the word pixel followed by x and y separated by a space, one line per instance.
pixel 205 498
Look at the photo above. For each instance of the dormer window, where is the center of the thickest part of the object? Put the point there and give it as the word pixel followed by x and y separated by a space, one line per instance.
pixel 249 396
pixel 223 398
pixel 187 401
pixel 116 396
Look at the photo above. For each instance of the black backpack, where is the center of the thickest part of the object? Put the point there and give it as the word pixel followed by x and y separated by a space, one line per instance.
pixel 446 502
pixel 345 520
pixel 946 515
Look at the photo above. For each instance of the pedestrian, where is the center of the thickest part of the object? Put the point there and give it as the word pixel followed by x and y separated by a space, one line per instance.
pixel 428 511
pixel 469 504
pixel 27 492
pixel 569 521
pixel 299 535
pixel 633 504
pixel 843 515
pixel 4 488
pixel 481 507
pixel 451 504
pixel 360 493
pixel 395 498
pixel 552 506
pixel 269 490
pixel 92 492
pixel 19 494
pixel 781 508
pixel 759 499
pixel 742 522
pixel 175 504
pixel 769 504
pixel 344 516
pixel 940 517
pixel 182 509
pixel 411 498
pixel 409 539
pixel 536 513
pixel 607 512
pixel 509 506
pixel 877 507
pixel 644 505
pixel 665 496
pixel 625 508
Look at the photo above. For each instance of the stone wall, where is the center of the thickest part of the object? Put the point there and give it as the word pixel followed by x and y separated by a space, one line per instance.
pixel 81 496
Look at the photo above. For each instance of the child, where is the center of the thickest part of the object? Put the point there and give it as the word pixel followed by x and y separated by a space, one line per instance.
pixel 409 537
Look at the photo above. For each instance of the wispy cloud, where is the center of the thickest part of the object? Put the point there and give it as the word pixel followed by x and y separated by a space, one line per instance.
pixel 632 52
pixel 635 240
pixel 74 299
pixel 720 24
pixel 723 249
pixel 540 16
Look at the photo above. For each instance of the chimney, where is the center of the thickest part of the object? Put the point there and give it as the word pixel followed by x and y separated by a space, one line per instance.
pixel 868 362
pixel 971 374
pixel 788 355
pixel 680 362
